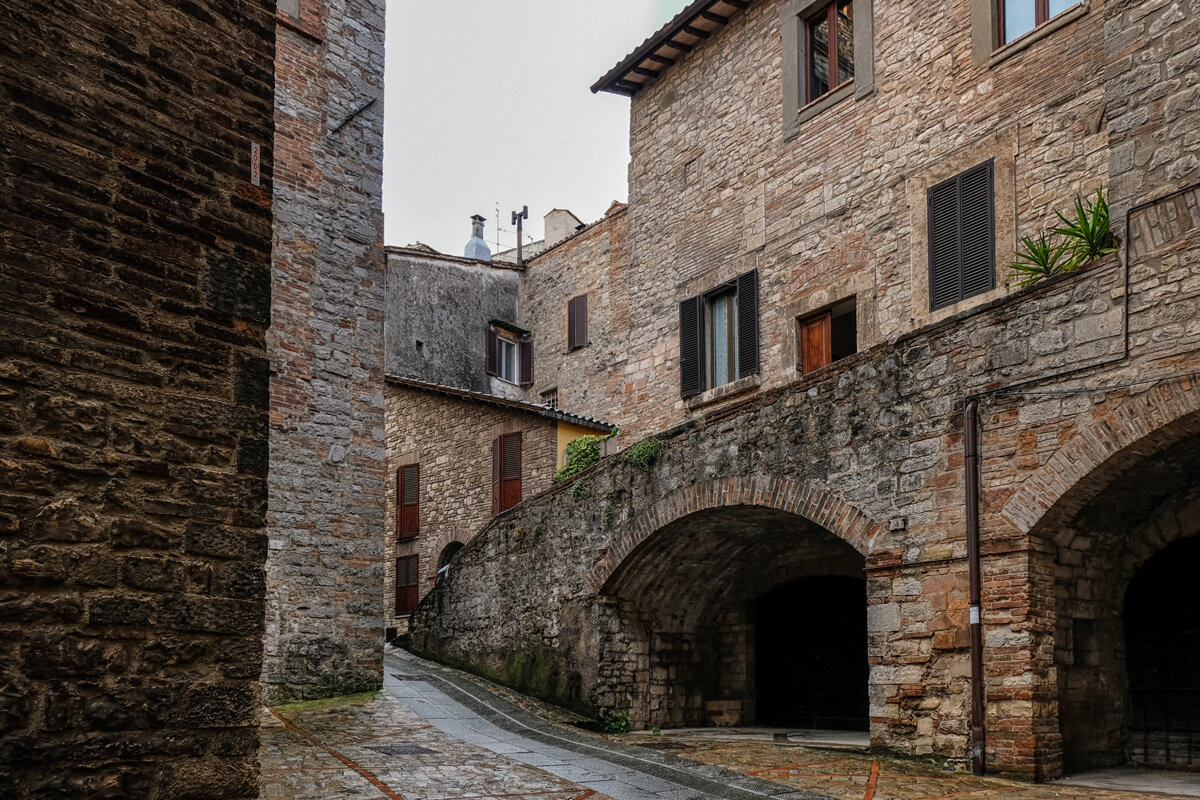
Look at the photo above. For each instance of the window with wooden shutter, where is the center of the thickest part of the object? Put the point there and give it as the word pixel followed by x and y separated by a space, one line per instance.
pixel 525 376
pixel 827 337
pixel 408 501
pixel 506 472
pixel 691 347
pixel 408 584
pixel 962 237
pixel 577 322
pixel 492 352
pixel 747 322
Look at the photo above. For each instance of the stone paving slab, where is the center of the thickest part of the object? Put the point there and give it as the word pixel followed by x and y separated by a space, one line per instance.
pixel 374 747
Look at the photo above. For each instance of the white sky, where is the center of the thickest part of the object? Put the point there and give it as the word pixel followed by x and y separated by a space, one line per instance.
pixel 487 103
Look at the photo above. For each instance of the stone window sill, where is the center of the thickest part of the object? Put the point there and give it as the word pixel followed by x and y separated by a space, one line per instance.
pixel 747 384
pixel 822 103
pixel 1037 34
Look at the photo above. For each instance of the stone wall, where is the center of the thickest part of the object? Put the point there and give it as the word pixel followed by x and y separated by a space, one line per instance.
pixel 451 439
pixel 325 566
pixel 589 380
pixel 439 308
pixel 134 299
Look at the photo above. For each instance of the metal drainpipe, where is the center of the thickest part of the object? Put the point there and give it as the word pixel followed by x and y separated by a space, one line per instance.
pixel 971 475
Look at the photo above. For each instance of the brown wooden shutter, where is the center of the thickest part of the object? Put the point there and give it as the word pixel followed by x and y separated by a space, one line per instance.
pixel 496 446
pixel 691 347
pixel 408 494
pixel 492 352
pixel 525 352
pixel 579 321
pixel 408 584
pixel 816 342
pixel 572 323
pixel 747 303
pixel 962 237
pixel 510 470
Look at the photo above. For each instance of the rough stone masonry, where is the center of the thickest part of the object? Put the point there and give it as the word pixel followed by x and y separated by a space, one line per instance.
pixel 134 300
pixel 324 627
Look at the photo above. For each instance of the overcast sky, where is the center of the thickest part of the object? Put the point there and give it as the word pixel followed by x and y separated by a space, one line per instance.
pixel 487 104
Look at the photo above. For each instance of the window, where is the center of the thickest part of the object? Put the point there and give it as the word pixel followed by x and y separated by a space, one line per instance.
pixel 509 356
pixel 1015 18
pixel 718 336
pixel 577 322
pixel 506 472
pixel 408 507
pixel 827 337
pixel 829 48
pixel 550 398
pixel 962 237
pixel 408 584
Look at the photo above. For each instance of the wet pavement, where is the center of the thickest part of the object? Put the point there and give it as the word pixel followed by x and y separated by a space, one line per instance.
pixel 435 734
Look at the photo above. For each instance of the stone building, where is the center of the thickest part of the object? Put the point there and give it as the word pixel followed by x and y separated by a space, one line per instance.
pixel 989 492
pixel 457 458
pixel 135 285
pixel 326 485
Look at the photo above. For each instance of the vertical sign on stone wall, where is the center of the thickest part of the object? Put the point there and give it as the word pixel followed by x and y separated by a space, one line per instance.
pixel 255 161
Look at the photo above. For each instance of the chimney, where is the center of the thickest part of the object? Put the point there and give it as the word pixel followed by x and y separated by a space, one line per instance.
pixel 560 224
pixel 477 248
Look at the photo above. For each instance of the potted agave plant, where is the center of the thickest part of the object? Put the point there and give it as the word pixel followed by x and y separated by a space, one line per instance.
pixel 1077 241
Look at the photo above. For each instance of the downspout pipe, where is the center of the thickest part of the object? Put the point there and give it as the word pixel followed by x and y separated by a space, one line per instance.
pixel 971 476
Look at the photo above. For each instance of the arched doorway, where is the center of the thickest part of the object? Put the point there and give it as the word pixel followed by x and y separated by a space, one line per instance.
pixel 1162 657
pixel 444 558
pixel 1127 632
pixel 704 598
pixel 811 638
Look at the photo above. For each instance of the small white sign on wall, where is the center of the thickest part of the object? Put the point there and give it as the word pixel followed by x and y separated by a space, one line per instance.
pixel 255 164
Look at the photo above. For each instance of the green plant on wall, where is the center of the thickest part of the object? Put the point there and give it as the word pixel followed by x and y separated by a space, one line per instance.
pixel 1077 241
pixel 582 453
pixel 643 455
pixel 1040 258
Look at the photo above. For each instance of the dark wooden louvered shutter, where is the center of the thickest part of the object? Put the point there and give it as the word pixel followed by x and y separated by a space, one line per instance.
pixel 573 324
pixel 496 445
pixel 747 324
pixel 816 342
pixel 408 584
pixel 962 237
pixel 581 320
pixel 510 470
pixel 691 347
pixel 408 495
pixel 525 353
pixel 492 348
pixel 978 231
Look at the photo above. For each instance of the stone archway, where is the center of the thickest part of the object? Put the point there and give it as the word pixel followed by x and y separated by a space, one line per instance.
pixel 693 599
pixel 1113 497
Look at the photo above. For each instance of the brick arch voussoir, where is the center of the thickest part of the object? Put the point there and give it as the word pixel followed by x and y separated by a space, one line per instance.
pixel 1083 466
pixel 807 499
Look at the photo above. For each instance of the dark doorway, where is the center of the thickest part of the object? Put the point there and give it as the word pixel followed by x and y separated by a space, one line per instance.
pixel 811 640
pixel 1162 637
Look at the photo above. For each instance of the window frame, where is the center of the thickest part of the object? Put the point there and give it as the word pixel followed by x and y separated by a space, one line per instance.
pixel 578 335
pixel 793 29
pixel 830 12
pixel 405 473
pixel 503 482
pixel 728 292
pixel 506 359
pixel 695 335
pixel 408 594
pixel 1041 17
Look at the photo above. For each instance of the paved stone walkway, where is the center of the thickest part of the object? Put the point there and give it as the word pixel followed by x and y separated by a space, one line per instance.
pixel 437 734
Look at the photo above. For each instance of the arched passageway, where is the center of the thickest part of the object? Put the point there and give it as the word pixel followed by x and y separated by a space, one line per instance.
pixel 1127 636
pixel 811 640
pixel 1162 657
pixel 736 614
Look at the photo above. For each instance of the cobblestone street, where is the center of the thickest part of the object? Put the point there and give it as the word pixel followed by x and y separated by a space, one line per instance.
pixel 434 733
